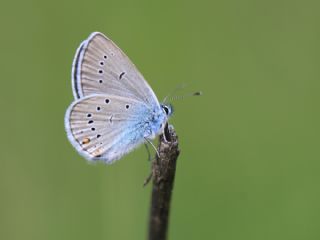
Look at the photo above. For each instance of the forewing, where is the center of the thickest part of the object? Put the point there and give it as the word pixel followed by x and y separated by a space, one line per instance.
pixel 105 127
pixel 101 67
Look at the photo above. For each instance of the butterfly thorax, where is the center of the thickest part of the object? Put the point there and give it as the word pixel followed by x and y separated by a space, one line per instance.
pixel 155 123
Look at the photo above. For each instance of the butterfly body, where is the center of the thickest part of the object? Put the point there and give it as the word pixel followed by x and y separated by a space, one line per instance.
pixel 115 110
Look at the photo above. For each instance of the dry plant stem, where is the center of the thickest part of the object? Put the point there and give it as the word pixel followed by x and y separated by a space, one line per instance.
pixel 163 171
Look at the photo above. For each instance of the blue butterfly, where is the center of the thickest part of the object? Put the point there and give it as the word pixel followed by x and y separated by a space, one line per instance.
pixel 115 110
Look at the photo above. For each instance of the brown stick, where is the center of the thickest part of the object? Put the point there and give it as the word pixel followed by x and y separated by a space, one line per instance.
pixel 163 172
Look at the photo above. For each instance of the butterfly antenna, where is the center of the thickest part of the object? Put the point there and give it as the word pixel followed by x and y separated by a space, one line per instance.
pixel 199 93
pixel 177 88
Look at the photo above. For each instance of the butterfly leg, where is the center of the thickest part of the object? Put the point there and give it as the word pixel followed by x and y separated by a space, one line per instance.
pixel 148 179
pixel 149 141
pixel 148 151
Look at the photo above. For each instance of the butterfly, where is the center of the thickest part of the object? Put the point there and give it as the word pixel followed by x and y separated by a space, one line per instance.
pixel 114 108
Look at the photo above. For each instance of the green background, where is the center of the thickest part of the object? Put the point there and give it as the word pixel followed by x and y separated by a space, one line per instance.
pixel 250 158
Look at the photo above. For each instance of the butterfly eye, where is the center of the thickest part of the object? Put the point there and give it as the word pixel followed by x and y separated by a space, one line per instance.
pixel 166 109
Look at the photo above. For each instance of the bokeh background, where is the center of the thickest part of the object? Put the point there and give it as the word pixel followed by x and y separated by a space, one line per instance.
pixel 250 157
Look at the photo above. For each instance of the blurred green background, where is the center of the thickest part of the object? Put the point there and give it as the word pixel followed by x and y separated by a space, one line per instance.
pixel 250 158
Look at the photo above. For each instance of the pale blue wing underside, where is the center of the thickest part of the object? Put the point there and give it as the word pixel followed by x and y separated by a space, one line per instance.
pixel 105 127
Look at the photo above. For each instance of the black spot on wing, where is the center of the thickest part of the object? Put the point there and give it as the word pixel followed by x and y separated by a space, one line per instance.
pixel 121 75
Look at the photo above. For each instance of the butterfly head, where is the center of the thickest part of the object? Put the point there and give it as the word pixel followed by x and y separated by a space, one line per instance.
pixel 167 109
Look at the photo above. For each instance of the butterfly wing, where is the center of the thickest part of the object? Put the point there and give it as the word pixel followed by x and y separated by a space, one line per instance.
pixel 105 127
pixel 101 67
